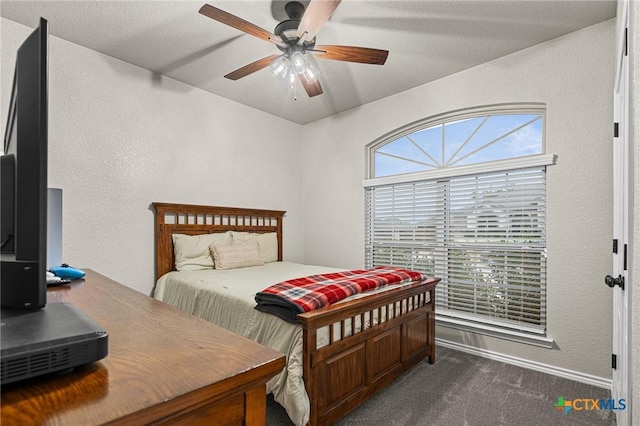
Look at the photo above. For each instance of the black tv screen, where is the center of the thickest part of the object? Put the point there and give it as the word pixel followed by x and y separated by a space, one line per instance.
pixel 24 179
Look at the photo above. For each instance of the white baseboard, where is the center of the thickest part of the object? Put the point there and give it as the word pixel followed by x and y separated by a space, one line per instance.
pixel 525 363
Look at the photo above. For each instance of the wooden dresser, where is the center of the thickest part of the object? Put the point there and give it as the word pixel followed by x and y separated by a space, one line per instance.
pixel 164 367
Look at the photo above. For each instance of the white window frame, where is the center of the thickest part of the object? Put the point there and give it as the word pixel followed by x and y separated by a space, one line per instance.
pixel 460 321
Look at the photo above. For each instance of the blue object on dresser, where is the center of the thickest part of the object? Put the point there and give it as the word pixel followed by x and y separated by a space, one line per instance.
pixel 66 271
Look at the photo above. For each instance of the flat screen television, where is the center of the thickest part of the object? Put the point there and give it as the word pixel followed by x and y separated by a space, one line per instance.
pixel 35 339
pixel 23 170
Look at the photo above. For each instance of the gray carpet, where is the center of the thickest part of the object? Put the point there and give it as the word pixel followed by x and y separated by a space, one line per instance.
pixel 467 390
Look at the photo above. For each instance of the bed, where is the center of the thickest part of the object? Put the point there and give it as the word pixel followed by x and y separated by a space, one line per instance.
pixel 337 356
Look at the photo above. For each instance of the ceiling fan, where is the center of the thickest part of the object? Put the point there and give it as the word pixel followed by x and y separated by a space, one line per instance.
pixel 296 38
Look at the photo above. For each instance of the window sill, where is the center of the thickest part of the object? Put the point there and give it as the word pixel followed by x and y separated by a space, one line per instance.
pixel 497 332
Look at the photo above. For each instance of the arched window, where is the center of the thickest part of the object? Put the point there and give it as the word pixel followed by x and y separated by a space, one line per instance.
pixel 462 197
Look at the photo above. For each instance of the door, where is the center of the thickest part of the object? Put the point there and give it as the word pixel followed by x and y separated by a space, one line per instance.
pixel 621 220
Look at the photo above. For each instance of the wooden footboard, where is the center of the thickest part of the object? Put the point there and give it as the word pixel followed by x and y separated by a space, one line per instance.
pixel 368 342
pixel 351 349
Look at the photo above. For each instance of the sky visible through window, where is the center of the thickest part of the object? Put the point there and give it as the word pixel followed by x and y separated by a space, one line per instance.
pixel 462 142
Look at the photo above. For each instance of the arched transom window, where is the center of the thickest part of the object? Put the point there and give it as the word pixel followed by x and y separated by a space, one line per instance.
pixel 472 138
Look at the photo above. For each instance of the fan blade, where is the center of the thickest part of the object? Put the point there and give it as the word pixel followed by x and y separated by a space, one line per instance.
pixel 251 68
pixel 239 23
pixel 315 16
pixel 313 89
pixel 363 55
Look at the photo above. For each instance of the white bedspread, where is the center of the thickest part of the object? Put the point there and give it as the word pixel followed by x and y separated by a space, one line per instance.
pixel 227 299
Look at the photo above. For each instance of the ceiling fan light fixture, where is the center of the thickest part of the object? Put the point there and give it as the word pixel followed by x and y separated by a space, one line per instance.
pixel 310 73
pixel 292 79
pixel 298 61
pixel 280 67
pixel 294 65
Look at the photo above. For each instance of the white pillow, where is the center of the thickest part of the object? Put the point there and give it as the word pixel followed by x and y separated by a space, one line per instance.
pixel 191 252
pixel 235 256
pixel 267 243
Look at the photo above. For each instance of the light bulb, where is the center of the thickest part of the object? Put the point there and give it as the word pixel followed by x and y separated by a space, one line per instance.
pixel 298 61
pixel 310 73
pixel 292 79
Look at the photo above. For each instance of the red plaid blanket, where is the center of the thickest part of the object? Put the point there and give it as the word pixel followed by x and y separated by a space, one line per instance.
pixel 290 298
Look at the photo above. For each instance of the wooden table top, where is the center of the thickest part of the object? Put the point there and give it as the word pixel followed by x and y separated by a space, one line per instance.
pixel 159 359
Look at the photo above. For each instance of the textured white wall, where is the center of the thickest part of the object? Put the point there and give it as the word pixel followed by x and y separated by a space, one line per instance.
pixel 573 75
pixel 121 137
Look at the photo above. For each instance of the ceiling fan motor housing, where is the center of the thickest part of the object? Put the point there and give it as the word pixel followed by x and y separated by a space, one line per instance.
pixel 294 10
pixel 287 29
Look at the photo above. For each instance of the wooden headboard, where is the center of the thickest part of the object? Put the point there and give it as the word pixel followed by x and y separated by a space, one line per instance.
pixel 193 220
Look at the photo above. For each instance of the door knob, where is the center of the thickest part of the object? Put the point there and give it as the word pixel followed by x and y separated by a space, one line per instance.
pixel 612 282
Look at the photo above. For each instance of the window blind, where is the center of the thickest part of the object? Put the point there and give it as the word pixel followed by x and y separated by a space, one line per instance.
pixel 483 235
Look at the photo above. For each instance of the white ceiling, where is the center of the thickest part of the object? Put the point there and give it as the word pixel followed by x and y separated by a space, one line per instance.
pixel 426 39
